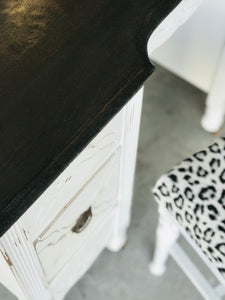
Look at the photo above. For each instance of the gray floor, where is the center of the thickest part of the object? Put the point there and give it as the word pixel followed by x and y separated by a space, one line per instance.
pixel 170 131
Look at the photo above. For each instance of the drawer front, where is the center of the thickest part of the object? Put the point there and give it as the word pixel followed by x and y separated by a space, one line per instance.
pixel 52 201
pixel 81 262
pixel 76 226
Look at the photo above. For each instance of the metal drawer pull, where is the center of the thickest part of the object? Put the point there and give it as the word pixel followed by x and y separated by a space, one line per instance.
pixel 82 221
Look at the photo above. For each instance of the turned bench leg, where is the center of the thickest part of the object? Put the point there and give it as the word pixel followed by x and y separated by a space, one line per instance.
pixel 166 235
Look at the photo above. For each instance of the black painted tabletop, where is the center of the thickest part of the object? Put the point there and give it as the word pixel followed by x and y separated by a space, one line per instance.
pixel 66 67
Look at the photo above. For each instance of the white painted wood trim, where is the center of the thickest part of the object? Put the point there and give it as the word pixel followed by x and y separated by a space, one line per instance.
pixel 24 262
pixel 16 245
pixel 76 175
pixel 7 276
pixel 131 124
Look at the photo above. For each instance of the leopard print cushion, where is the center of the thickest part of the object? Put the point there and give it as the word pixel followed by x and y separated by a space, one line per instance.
pixel 194 194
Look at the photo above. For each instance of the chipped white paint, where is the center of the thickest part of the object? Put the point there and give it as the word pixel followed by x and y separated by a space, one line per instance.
pixel 53 200
pixel 40 257
pixel 81 262
pixel 46 256
pixel 7 275
pixel 58 244
pixel 24 263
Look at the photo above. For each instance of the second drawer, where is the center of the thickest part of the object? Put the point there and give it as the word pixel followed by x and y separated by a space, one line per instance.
pixel 80 220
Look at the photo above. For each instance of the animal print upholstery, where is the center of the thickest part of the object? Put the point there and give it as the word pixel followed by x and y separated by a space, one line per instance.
pixel 194 194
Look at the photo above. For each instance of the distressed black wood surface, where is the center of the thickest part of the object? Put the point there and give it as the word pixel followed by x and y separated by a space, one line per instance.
pixel 66 67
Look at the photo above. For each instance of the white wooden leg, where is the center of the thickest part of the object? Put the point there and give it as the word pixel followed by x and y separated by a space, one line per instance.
pixel 128 161
pixel 166 235
pixel 213 117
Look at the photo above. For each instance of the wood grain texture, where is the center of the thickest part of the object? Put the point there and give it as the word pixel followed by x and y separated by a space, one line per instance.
pixel 66 67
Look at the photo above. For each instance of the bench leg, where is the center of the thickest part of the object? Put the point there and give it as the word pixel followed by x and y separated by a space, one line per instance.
pixel 166 235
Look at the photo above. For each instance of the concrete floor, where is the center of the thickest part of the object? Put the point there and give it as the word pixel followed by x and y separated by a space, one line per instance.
pixel 170 131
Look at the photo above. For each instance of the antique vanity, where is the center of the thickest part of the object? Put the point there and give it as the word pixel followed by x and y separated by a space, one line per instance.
pixel 71 76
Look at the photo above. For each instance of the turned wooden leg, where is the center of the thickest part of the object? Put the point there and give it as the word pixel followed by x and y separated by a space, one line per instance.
pixel 213 117
pixel 166 235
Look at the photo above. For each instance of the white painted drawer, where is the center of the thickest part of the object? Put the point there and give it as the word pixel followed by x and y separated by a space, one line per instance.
pixel 58 244
pixel 56 196
pixel 82 261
